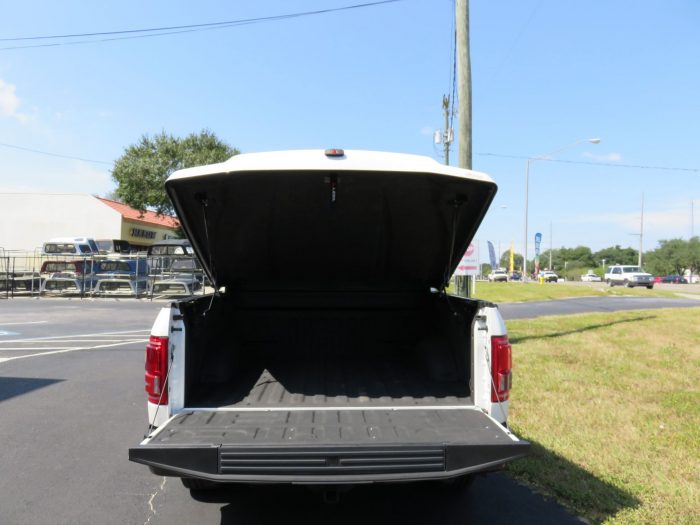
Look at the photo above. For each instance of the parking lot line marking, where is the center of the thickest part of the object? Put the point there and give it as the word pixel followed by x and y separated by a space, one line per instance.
pixel 75 349
pixel 51 347
pixel 37 348
pixel 51 337
pixel 68 341
pixel 26 322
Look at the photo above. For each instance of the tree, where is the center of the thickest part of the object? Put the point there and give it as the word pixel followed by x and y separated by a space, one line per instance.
pixel 505 260
pixel 616 255
pixel 141 171
pixel 674 256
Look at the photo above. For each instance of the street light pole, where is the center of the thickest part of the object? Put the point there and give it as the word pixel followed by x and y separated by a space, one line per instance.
pixel 527 184
pixel 550 247
pixel 641 234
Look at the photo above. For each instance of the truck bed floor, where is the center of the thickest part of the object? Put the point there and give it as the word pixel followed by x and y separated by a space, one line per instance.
pixel 352 384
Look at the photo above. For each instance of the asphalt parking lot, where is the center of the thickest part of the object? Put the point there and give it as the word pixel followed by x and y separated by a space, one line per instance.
pixel 72 402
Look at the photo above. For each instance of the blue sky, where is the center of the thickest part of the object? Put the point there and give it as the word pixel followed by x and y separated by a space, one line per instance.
pixel 545 73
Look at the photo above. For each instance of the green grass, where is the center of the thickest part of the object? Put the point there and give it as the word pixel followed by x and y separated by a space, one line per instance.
pixel 518 292
pixel 611 403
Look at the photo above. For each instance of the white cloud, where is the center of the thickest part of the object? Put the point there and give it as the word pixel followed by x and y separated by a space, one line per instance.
pixel 668 223
pixel 427 130
pixel 10 102
pixel 607 157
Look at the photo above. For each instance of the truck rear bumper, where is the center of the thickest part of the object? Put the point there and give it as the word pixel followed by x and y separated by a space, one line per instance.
pixel 329 446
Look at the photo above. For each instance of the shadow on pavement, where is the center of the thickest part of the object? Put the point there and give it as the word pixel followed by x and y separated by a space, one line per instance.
pixel 17 386
pixel 493 498
pixel 571 483
pixel 516 340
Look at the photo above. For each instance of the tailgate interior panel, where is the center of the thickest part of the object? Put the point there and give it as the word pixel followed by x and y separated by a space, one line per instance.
pixel 328 445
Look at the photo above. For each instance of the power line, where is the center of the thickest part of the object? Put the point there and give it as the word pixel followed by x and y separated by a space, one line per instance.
pixel 515 42
pixel 30 150
pixel 497 155
pixel 169 30
pixel 609 164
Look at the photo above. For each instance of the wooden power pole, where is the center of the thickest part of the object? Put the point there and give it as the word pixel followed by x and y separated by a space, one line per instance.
pixel 464 79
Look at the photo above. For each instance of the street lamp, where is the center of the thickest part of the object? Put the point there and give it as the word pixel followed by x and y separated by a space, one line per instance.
pixel 527 183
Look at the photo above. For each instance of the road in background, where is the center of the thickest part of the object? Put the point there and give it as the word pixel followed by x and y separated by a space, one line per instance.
pixel 579 305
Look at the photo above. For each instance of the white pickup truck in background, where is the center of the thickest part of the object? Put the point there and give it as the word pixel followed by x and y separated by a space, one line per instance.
pixel 329 353
pixel 628 275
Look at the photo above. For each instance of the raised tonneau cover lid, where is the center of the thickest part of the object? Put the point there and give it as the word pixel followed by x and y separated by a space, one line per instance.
pixel 303 219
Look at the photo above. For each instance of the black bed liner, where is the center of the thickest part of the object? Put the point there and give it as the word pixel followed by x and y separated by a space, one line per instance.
pixel 328 446
pixel 354 384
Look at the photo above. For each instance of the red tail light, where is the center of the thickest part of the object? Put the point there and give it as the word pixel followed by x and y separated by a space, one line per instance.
pixel 501 363
pixel 157 370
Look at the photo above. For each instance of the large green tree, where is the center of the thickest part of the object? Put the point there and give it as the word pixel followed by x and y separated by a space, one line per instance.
pixel 505 260
pixel 616 255
pixel 141 171
pixel 674 256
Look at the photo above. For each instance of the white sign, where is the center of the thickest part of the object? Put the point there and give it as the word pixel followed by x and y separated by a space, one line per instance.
pixel 469 265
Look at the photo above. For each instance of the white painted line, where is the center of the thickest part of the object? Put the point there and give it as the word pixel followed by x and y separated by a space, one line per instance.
pixel 53 348
pixel 4 359
pixel 37 348
pixel 65 341
pixel 51 337
pixel 27 322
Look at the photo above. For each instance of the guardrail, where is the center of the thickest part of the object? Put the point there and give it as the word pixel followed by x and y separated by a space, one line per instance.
pixel 135 275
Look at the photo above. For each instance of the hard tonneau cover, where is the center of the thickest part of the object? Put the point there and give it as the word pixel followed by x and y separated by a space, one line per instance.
pixel 365 219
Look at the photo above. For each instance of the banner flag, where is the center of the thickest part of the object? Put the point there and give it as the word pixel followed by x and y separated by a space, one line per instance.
pixel 512 257
pixel 492 255
pixel 538 240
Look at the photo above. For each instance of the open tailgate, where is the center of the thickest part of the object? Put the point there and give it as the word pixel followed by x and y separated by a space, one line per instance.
pixel 328 446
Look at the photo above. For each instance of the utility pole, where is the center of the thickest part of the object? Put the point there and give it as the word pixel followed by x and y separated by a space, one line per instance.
pixel 464 76
pixel 464 84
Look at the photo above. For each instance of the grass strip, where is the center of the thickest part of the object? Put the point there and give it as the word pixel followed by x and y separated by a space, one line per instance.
pixel 611 403
pixel 519 292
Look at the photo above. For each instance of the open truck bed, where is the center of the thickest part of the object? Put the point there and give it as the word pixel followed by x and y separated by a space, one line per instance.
pixel 330 445
pixel 330 352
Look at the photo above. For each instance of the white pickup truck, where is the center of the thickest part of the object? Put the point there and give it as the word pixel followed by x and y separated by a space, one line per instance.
pixel 630 276
pixel 330 353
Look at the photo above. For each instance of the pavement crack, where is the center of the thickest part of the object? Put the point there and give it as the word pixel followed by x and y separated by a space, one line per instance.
pixel 150 501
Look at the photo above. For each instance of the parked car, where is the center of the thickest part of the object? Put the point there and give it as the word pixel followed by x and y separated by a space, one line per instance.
pixel 674 278
pixel 498 275
pixel 67 277
pixel 549 276
pixel 628 275
pixel 121 277
pixel 515 276
pixel 591 277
